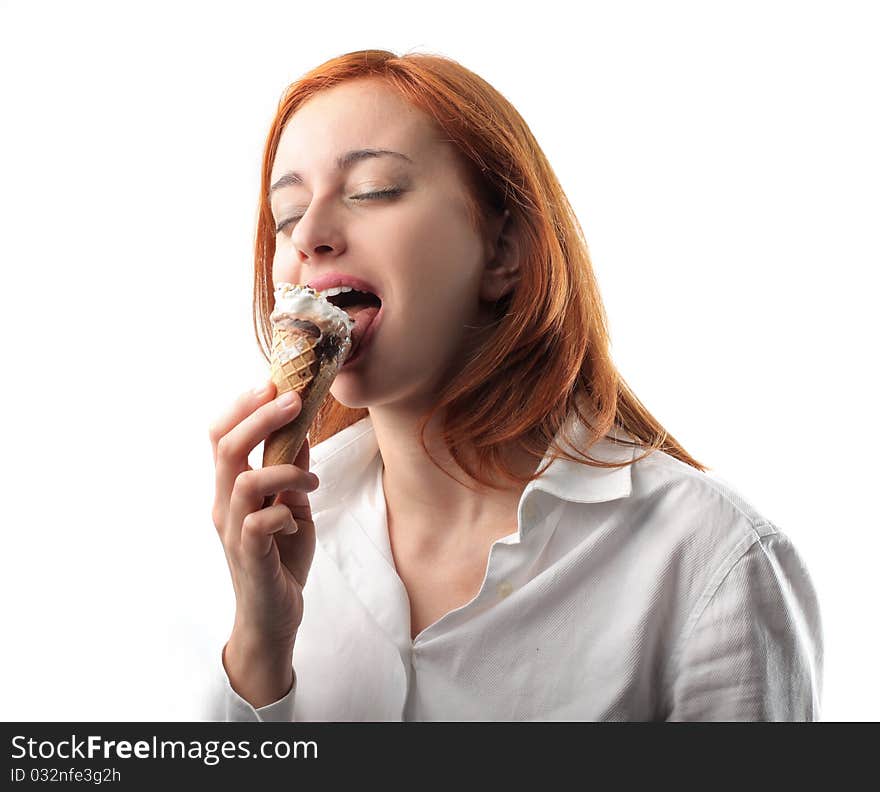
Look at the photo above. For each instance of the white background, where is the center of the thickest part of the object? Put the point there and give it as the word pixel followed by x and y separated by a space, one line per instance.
pixel 721 157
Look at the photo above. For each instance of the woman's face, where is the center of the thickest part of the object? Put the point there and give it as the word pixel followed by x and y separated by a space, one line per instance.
pixel 417 247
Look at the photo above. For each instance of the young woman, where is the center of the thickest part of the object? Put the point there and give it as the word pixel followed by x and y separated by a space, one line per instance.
pixel 498 529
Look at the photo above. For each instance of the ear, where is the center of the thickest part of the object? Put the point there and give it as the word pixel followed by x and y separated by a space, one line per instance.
pixel 501 271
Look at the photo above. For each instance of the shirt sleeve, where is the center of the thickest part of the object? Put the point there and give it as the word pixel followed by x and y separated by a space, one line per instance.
pixel 229 706
pixel 755 651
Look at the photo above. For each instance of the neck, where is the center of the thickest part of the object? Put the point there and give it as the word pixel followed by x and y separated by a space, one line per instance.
pixel 433 513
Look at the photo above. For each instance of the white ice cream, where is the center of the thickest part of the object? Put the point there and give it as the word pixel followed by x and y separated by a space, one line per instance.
pixel 293 301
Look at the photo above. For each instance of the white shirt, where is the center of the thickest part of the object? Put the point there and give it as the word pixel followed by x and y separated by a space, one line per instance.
pixel 648 592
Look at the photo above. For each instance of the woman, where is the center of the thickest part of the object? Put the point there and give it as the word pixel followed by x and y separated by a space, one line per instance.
pixel 498 529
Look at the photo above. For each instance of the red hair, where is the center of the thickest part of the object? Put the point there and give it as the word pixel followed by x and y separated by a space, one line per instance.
pixel 550 340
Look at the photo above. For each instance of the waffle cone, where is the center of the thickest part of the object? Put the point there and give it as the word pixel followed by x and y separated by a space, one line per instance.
pixel 310 373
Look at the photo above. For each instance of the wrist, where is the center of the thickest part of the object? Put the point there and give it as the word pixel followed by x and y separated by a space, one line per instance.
pixel 253 648
pixel 259 674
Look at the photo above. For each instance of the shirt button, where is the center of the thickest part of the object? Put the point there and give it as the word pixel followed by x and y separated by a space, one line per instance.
pixel 504 589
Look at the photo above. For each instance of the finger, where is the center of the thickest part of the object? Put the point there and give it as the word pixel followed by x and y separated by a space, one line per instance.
pixel 259 528
pixel 302 462
pixel 244 405
pixel 235 446
pixel 251 488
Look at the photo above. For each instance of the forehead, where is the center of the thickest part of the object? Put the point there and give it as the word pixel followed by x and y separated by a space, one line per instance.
pixel 354 115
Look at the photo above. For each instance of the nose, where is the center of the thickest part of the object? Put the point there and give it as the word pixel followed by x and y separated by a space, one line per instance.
pixel 318 233
pixel 315 238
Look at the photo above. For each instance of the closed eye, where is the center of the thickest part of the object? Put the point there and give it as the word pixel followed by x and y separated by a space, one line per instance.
pixel 390 192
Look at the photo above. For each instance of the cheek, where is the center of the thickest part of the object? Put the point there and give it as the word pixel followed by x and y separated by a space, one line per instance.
pixel 440 254
pixel 282 270
pixel 427 332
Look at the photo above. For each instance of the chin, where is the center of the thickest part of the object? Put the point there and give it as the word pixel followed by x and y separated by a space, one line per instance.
pixel 350 396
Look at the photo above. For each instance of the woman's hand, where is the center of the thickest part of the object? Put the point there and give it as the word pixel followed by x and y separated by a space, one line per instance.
pixel 269 550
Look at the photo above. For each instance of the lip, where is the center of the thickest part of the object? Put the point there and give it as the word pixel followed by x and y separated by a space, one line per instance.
pixel 332 279
pixel 365 341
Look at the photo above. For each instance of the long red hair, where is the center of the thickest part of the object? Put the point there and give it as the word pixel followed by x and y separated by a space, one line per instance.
pixel 548 349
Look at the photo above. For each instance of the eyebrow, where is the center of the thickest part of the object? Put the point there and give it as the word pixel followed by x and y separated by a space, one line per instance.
pixel 342 163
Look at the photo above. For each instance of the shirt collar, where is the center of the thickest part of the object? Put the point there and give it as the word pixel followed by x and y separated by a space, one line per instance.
pixel 584 483
pixel 342 460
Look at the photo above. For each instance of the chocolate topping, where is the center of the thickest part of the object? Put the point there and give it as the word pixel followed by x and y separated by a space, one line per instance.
pixel 328 347
pixel 307 327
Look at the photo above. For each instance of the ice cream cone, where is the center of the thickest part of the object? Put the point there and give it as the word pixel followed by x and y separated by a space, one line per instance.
pixel 311 339
pixel 310 374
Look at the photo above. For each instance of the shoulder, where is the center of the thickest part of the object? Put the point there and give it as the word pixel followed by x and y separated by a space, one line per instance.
pixel 746 614
pixel 715 540
pixel 683 529
pixel 661 476
pixel 694 510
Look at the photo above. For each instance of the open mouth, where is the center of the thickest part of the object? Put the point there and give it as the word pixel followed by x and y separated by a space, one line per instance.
pixel 363 308
pixel 354 301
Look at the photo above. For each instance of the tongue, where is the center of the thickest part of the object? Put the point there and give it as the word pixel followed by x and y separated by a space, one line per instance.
pixel 363 317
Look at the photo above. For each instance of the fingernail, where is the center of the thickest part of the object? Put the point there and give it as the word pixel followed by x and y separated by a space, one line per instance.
pixel 261 390
pixel 286 399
